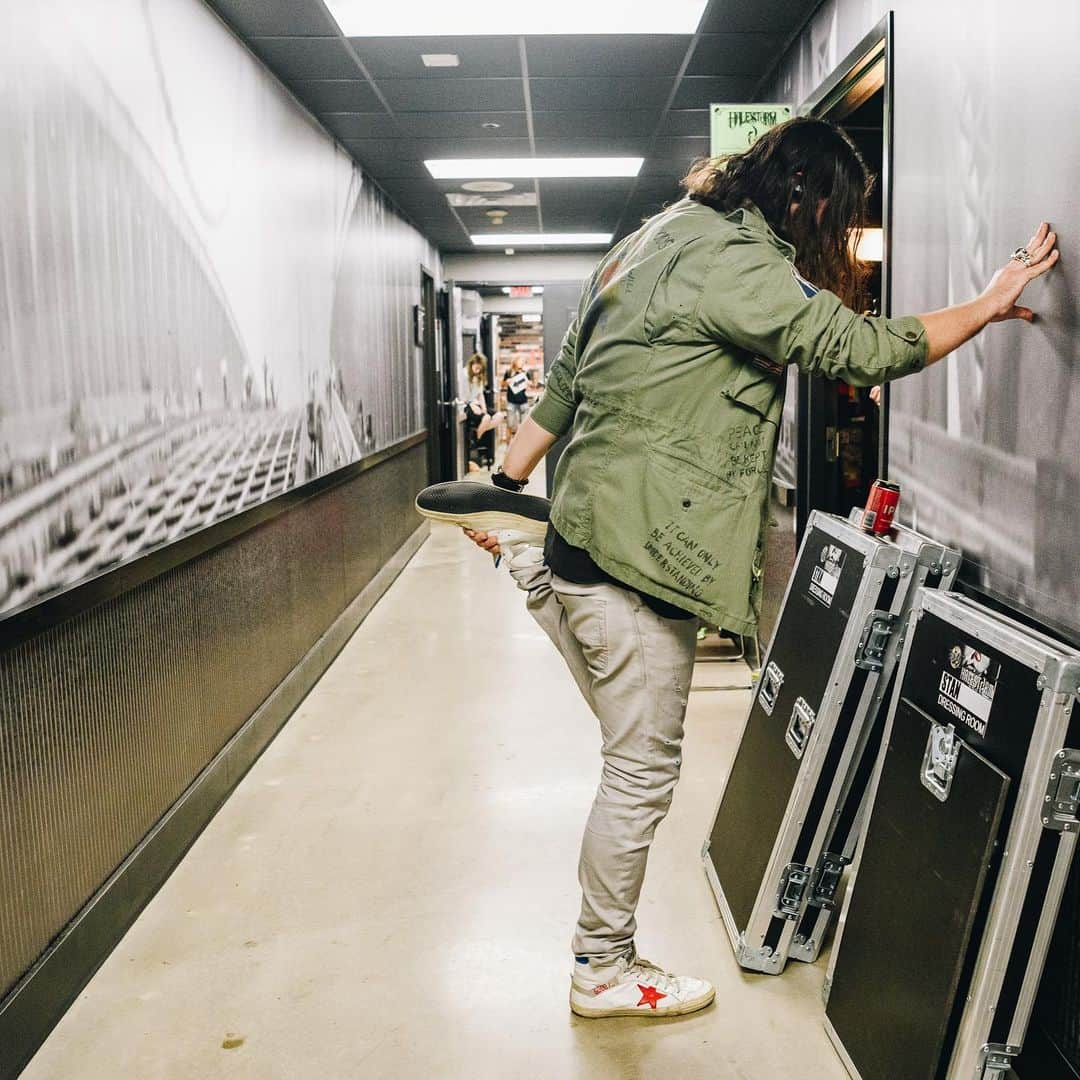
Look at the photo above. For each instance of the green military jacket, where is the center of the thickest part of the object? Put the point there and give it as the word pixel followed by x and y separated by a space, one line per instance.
pixel 670 382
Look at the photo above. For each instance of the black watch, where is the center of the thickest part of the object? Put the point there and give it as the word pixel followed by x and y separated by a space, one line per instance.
pixel 500 479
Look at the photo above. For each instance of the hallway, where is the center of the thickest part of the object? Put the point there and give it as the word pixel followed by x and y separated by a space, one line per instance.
pixel 390 891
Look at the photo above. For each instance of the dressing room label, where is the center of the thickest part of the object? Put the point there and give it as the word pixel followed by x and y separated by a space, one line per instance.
pixel 968 685
pixel 826 575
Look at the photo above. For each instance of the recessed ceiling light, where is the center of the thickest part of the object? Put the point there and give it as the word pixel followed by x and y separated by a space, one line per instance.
pixel 456 168
pixel 361 18
pixel 539 239
pixel 509 251
pixel 487 185
pixel 440 59
pixel 490 125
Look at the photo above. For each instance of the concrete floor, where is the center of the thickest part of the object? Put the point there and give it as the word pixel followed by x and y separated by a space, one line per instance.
pixel 391 890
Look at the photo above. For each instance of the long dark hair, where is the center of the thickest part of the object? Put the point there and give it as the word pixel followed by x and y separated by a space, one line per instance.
pixel 809 162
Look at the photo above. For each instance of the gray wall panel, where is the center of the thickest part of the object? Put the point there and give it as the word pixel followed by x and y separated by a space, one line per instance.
pixel 110 716
pixel 985 445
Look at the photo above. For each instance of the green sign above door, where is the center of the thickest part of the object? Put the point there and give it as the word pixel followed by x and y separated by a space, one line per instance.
pixel 733 128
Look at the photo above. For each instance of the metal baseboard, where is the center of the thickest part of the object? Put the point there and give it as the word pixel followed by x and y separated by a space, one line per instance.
pixel 36 1004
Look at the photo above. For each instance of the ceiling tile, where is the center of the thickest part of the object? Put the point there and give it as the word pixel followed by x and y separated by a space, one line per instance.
pixel 735 54
pixel 606 54
pixel 571 123
pixel 471 148
pixel 336 95
pixel 306 57
pixel 381 166
pixel 686 122
pixel 699 92
pixel 586 191
pixel 672 169
pixel 362 125
pixel 399 58
pixel 596 146
pixel 450 125
pixel 256 17
pixel 760 16
pixel 518 219
pixel 598 94
pixel 453 95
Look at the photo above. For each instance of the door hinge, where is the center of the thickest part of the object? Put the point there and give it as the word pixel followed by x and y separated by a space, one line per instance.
pixel 1061 806
pixel 789 895
pixel 874 640
pixel 799 727
pixel 939 761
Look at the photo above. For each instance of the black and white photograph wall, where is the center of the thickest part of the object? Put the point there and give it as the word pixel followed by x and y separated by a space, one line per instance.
pixel 203 301
pixel 985 445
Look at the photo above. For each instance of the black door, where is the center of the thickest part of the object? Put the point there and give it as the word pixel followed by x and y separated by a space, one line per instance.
pixel 441 413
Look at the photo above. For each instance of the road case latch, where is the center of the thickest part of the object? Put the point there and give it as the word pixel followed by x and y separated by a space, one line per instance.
pixel 771 682
pixel 1061 807
pixel 830 869
pixel 997 1062
pixel 799 727
pixel 939 761
pixel 789 896
pixel 870 653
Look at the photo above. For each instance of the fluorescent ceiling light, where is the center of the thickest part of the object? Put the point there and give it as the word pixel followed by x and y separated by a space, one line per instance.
pixel 435 18
pixel 440 59
pixel 538 239
pixel 537 290
pixel 530 168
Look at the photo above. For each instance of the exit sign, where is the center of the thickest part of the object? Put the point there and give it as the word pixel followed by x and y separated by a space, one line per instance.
pixel 518 291
pixel 735 128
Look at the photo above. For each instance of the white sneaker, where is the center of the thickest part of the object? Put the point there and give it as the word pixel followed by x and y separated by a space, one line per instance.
pixel 520 550
pixel 634 987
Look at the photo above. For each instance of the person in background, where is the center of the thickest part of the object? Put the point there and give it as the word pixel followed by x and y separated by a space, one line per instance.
pixel 669 386
pixel 476 371
pixel 515 385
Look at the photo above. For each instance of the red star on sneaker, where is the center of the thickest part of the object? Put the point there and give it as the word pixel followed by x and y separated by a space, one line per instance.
pixel 649 995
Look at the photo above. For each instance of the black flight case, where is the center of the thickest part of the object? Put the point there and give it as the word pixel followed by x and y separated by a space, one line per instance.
pixel 962 864
pixel 786 822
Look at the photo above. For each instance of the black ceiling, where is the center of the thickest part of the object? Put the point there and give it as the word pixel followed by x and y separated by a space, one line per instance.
pixel 595 95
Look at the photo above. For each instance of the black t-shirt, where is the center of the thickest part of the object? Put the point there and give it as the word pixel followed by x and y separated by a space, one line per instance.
pixel 515 383
pixel 576 565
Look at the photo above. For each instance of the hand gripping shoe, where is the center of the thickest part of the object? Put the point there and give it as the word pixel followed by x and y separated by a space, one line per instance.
pixel 486 508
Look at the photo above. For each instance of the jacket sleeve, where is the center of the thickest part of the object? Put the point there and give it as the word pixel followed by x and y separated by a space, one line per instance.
pixel 753 298
pixel 555 410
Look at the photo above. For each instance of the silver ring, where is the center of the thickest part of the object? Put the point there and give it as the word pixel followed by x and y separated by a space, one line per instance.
pixel 1021 254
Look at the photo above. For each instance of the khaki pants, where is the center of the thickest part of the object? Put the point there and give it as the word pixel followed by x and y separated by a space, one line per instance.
pixel 634 668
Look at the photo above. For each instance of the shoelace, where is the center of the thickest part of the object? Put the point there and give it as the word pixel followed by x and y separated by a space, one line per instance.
pixel 653 974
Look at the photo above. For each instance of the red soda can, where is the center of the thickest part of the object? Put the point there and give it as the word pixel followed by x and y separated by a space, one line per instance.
pixel 880 507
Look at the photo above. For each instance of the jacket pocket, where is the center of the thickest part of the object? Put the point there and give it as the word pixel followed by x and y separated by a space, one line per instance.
pixel 755 389
pixel 695 525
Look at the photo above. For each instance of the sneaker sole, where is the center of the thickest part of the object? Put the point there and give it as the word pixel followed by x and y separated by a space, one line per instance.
pixel 485 509
pixel 650 1014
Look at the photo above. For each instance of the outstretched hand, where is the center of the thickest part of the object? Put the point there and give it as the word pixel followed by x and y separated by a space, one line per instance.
pixel 1009 282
